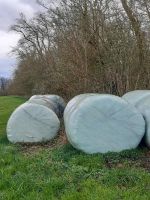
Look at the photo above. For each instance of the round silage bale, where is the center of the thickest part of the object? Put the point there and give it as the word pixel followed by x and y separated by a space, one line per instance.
pixel 45 102
pixel 59 101
pixel 31 123
pixel 145 110
pixel 141 100
pixel 97 123
pixel 136 96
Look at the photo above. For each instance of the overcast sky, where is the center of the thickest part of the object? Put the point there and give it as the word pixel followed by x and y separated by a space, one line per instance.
pixel 9 11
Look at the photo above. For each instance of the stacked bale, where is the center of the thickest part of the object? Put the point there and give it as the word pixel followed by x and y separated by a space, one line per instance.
pixel 136 96
pixel 141 100
pixel 57 101
pixel 45 102
pixel 36 120
pixel 101 123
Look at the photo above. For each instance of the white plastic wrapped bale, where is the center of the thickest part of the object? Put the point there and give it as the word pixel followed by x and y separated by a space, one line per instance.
pixel 103 123
pixel 31 123
pixel 55 99
pixel 141 100
pixel 146 113
pixel 45 102
pixel 59 101
pixel 136 96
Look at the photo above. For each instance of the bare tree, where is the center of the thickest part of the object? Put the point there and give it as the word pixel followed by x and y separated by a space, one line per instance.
pixel 4 84
pixel 78 46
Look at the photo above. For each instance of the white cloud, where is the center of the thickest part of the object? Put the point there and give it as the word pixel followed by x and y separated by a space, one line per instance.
pixel 7 66
pixel 9 11
pixel 7 41
pixel 7 62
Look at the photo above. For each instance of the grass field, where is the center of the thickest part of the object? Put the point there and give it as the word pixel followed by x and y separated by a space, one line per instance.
pixel 51 172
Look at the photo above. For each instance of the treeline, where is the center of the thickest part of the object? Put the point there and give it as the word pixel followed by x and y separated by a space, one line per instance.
pixel 79 46
pixel 4 86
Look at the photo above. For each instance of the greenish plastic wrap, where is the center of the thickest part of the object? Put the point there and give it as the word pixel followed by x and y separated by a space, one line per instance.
pixel 46 102
pixel 141 100
pixel 59 103
pixel 97 123
pixel 31 123
pixel 136 96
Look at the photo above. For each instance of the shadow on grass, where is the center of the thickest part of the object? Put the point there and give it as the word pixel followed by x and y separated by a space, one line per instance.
pixel 3 140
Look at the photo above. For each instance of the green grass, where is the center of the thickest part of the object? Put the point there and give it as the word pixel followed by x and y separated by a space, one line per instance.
pixel 46 173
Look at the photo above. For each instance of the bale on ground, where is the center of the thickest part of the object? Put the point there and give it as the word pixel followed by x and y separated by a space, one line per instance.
pixel 136 96
pixel 141 100
pixel 103 123
pixel 31 123
pixel 59 101
pixel 46 102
